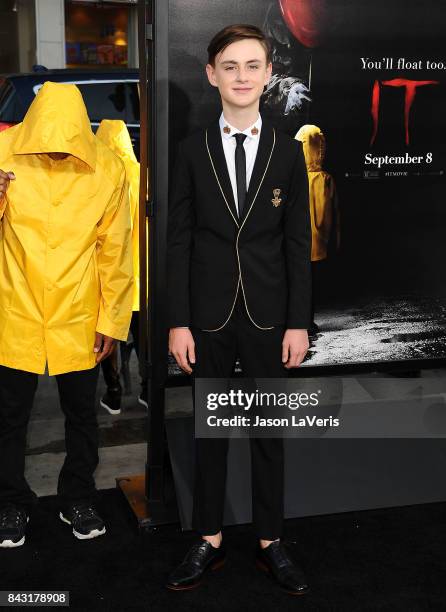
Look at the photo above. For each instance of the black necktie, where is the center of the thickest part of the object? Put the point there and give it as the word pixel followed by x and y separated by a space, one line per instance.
pixel 240 171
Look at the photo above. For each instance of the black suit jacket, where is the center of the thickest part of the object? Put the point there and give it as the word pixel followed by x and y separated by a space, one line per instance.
pixel 212 254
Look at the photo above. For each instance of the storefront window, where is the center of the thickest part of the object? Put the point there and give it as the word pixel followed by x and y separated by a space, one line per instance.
pixel 97 34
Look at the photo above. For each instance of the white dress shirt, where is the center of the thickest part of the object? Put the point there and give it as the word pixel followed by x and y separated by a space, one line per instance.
pixel 251 145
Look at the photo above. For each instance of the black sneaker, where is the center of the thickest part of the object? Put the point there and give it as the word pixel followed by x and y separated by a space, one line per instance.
pixel 85 521
pixel 142 399
pixel 111 401
pixel 13 520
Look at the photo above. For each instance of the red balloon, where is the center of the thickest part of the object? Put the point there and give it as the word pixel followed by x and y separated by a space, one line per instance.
pixel 306 19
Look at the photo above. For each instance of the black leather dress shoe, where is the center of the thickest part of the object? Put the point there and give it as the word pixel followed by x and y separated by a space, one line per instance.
pixel 275 560
pixel 200 557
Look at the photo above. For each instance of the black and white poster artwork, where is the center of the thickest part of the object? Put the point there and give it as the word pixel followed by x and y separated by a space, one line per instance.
pixel 367 81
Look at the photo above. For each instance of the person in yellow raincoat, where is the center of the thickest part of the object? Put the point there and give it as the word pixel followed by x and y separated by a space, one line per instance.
pixel 114 133
pixel 66 289
pixel 324 210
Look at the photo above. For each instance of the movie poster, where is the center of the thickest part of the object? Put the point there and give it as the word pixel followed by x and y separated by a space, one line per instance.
pixel 362 85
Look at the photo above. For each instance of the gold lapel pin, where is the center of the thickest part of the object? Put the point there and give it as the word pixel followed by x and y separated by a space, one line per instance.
pixel 276 200
pixel 227 130
pixel 254 131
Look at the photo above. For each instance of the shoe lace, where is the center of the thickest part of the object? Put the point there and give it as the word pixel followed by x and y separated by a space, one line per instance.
pixel 196 552
pixel 282 558
pixel 10 516
pixel 84 511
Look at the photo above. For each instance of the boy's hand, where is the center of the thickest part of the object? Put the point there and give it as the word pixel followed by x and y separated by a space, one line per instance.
pixel 182 347
pixel 103 346
pixel 294 347
pixel 5 178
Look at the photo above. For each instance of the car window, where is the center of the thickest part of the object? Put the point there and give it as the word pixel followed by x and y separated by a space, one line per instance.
pixel 104 100
pixel 5 90
pixel 11 110
pixel 133 105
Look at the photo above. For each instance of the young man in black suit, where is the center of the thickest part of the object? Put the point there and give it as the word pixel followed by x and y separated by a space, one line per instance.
pixel 239 243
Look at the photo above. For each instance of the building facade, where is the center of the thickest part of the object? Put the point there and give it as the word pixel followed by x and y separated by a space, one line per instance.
pixel 68 34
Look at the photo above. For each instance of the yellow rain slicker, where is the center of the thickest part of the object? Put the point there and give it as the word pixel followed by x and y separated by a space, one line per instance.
pixel 114 133
pixel 65 239
pixel 324 210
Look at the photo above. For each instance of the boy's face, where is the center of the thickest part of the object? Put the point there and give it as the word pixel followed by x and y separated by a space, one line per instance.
pixel 240 73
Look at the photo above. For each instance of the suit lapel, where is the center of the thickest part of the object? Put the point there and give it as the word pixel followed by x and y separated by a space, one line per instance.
pixel 261 162
pixel 219 165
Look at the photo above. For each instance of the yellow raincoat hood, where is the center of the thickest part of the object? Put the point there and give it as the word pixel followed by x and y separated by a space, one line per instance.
pixel 114 133
pixel 313 143
pixel 57 121
pixel 65 239
pixel 324 210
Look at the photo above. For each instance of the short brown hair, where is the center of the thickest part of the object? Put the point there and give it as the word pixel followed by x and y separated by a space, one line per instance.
pixel 234 33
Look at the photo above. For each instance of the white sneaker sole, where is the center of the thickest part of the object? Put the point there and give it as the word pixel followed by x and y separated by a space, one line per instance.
pixel 82 536
pixel 143 403
pixel 11 544
pixel 108 409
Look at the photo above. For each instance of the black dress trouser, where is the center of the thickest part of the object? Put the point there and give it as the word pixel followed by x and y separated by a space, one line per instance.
pixel 110 370
pixel 77 398
pixel 110 366
pixel 260 353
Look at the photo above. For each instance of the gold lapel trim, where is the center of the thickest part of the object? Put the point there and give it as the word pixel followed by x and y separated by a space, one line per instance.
pixel 218 180
pixel 240 229
pixel 230 312
pixel 261 180
pixel 240 279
